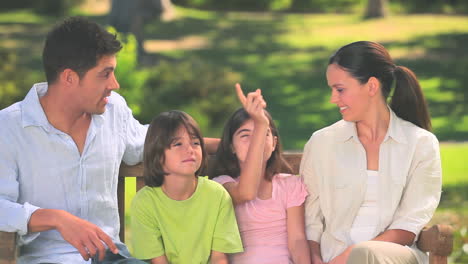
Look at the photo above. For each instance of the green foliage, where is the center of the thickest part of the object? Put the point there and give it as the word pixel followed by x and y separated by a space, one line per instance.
pixel 130 77
pixel 55 7
pixel 341 6
pixel 432 6
pixel 460 241
pixel 203 90
pixel 13 80
pixel 317 6
pixel 44 7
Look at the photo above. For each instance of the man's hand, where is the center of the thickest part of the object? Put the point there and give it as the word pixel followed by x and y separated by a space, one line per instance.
pixel 86 237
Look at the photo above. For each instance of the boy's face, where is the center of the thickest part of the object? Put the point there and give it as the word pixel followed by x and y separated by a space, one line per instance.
pixel 96 85
pixel 184 155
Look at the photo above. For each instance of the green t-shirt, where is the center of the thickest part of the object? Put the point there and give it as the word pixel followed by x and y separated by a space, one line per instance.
pixel 185 231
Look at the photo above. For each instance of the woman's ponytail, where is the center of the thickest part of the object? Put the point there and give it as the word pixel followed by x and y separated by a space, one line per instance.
pixel 408 101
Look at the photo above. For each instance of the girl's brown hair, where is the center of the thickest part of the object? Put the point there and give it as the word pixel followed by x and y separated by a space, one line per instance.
pixel 159 137
pixel 226 163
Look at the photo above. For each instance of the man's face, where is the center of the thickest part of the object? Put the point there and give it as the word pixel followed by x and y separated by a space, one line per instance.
pixel 96 85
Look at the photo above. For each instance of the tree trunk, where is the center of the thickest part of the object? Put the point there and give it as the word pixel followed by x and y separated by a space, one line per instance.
pixel 130 16
pixel 376 9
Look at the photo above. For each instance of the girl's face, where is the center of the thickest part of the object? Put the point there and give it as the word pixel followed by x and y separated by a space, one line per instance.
pixel 347 93
pixel 184 155
pixel 241 142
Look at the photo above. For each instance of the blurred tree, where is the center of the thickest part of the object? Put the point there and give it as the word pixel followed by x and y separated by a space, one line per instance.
pixel 131 16
pixel 376 9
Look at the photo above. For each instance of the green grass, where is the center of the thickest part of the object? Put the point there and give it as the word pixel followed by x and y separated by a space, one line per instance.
pixel 454 163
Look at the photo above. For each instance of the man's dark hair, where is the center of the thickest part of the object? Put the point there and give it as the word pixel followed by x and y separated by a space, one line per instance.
pixel 76 43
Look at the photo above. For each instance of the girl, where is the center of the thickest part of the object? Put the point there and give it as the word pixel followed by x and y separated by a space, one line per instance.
pixel 375 176
pixel 269 205
pixel 179 217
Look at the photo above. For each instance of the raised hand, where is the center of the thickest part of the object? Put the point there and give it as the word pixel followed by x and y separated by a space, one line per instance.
pixel 254 104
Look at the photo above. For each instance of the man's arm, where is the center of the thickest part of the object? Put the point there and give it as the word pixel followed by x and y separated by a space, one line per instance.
pixel 83 235
pixel 211 145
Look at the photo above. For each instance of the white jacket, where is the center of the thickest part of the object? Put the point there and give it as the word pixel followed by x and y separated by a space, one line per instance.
pixel 334 169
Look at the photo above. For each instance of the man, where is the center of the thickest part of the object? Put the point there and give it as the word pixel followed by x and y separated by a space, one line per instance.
pixel 61 148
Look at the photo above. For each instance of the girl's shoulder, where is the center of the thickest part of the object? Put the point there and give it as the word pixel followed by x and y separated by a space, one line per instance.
pixel 290 189
pixel 222 179
pixel 208 185
pixel 287 181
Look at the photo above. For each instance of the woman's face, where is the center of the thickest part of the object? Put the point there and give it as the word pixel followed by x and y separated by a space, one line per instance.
pixel 351 97
pixel 242 138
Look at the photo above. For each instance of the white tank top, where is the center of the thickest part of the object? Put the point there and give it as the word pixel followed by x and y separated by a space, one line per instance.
pixel 367 219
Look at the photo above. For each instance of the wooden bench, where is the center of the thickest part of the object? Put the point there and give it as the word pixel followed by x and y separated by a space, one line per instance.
pixel 437 239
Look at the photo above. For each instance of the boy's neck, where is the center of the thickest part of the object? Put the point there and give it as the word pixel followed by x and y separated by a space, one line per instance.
pixel 179 188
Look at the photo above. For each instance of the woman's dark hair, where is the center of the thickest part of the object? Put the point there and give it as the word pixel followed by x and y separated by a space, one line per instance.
pixel 225 161
pixel 76 43
pixel 365 59
pixel 159 137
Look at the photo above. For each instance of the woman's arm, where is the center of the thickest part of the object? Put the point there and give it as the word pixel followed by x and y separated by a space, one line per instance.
pixel 297 242
pixel 397 236
pixel 218 258
pixel 252 171
pixel 160 260
pixel 314 219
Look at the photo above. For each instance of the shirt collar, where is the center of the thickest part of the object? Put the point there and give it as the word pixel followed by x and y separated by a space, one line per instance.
pixel 395 131
pixel 32 111
pixel 33 114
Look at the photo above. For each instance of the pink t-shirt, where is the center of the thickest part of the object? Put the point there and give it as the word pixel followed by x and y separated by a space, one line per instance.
pixel 262 223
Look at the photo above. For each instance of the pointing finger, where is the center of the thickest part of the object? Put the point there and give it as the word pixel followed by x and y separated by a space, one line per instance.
pixel 240 94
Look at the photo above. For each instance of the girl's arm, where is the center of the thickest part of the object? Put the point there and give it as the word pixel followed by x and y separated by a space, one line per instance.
pixel 160 260
pixel 253 169
pixel 218 258
pixel 297 242
pixel 315 254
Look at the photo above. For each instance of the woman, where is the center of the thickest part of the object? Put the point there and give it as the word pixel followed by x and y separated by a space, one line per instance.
pixel 374 178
